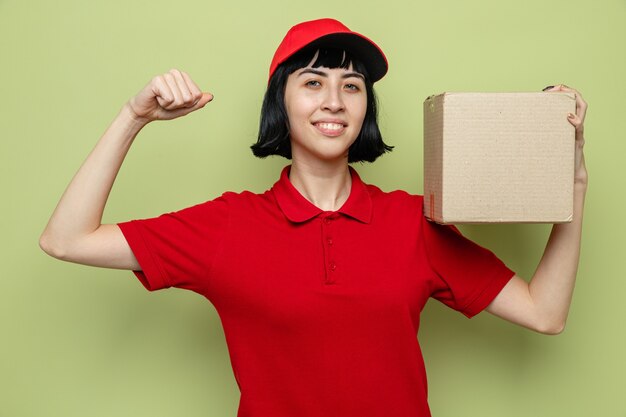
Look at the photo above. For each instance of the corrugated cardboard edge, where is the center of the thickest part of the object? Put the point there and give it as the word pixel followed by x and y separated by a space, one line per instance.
pixel 433 164
pixel 433 157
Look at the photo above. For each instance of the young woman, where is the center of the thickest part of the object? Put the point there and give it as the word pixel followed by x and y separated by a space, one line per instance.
pixel 319 282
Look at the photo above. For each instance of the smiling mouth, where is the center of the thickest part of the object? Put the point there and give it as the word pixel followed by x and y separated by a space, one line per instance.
pixel 330 128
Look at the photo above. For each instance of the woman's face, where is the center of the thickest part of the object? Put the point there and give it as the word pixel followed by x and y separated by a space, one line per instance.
pixel 326 108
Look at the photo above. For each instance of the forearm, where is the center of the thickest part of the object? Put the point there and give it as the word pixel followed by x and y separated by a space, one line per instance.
pixel 79 211
pixel 552 284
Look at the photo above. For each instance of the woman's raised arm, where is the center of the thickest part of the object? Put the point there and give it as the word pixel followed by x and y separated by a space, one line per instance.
pixel 543 303
pixel 74 232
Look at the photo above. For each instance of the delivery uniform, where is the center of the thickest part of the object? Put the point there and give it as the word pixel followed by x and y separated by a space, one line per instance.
pixel 320 309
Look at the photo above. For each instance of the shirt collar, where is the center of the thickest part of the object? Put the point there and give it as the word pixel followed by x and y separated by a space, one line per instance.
pixel 298 209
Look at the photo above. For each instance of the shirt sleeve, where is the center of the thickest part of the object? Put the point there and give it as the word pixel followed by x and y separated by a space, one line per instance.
pixel 469 275
pixel 177 249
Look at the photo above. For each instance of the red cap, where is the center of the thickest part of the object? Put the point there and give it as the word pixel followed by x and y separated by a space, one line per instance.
pixel 330 32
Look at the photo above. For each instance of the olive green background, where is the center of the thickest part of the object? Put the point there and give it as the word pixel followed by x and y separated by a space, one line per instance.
pixel 79 341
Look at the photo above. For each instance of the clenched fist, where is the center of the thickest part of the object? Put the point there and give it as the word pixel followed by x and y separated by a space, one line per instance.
pixel 168 96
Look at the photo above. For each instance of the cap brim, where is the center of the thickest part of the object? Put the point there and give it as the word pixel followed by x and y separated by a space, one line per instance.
pixel 362 48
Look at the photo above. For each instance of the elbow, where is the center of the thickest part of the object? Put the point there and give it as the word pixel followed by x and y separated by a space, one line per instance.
pixel 49 246
pixel 551 328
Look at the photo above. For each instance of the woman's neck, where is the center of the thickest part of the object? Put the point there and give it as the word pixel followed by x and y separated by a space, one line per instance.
pixel 327 186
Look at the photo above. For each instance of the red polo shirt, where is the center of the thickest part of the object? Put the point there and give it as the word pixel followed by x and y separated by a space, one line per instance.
pixel 320 310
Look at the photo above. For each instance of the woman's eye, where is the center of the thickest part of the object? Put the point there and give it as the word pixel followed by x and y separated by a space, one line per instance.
pixel 352 87
pixel 313 83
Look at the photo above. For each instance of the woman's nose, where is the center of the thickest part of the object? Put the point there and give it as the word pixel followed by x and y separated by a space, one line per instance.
pixel 332 100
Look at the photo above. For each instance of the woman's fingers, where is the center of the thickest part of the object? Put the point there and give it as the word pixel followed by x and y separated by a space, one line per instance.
pixel 193 88
pixel 184 96
pixel 169 96
pixel 581 104
pixel 175 89
pixel 578 119
pixel 180 92
pixel 183 110
pixel 578 124
pixel 163 91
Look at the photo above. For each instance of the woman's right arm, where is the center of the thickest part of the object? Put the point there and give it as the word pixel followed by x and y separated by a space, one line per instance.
pixel 74 232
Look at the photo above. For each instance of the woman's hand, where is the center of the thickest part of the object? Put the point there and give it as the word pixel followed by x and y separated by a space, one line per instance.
pixel 578 121
pixel 166 97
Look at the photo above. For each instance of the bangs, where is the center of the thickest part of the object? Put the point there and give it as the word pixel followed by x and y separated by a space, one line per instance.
pixel 325 57
pixel 332 58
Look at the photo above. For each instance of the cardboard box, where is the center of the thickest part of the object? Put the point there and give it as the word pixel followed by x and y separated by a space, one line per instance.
pixel 499 157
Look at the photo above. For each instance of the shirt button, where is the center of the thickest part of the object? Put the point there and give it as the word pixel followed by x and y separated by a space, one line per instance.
pixel 330 241
pixel 327 220
pixel 333 266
